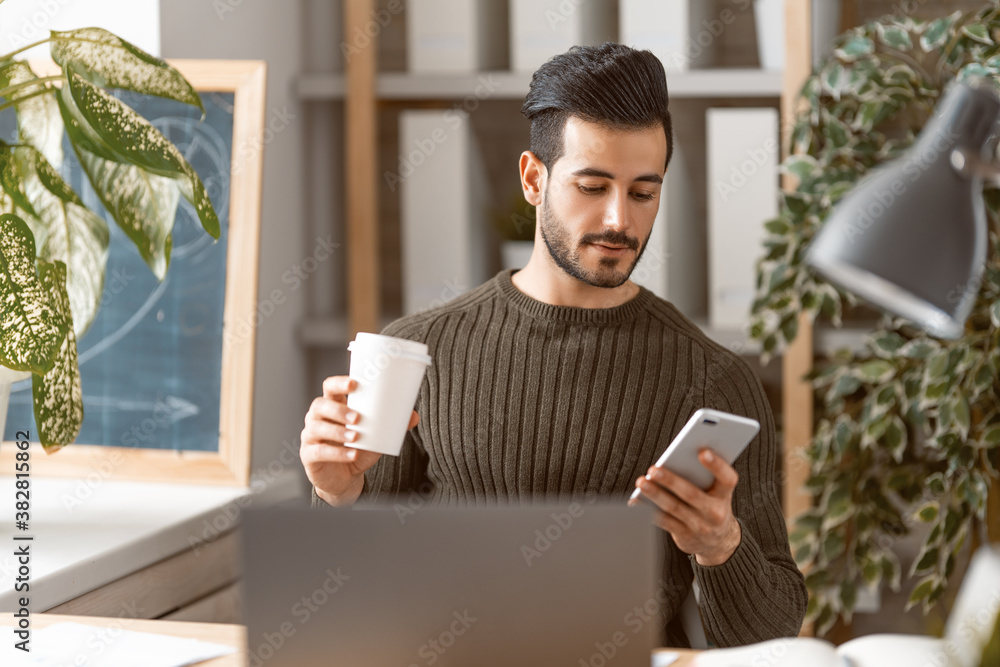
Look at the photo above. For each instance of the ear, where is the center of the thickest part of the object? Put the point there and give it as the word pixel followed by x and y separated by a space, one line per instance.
pixel 533 175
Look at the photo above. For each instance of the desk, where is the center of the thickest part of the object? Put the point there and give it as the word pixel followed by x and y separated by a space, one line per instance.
pixel 220 633
pixel 233 635
pixel 104 546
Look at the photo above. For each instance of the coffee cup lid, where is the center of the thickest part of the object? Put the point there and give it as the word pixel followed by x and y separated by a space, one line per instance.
pixel 401 347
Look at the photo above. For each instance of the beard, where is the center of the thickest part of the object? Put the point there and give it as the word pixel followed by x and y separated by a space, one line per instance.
pixel 608 272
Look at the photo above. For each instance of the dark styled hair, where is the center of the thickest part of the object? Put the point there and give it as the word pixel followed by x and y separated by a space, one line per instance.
pixel 610 84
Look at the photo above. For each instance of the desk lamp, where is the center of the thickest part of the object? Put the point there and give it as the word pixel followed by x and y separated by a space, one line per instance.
pixel 911 238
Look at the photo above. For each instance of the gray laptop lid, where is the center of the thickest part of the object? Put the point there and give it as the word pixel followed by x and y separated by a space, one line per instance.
pixel 542 585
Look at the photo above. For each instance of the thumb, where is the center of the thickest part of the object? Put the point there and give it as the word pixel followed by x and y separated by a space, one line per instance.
pixel 414 420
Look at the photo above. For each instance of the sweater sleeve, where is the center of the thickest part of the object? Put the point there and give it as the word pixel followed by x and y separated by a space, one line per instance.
pixel 759 593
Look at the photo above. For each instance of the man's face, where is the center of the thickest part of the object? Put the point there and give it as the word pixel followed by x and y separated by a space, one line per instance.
pixel 600 200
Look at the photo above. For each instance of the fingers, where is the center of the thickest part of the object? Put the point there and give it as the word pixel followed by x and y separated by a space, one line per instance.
pixel 414 420
pixel 726 476
pixel 328 453
pixel 677 485
pixel 668 502
pixel 336 387
pixel 321 431
pixel 326 409
pixel 670 524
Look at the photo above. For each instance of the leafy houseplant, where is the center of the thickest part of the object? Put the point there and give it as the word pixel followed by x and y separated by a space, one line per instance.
pixel 53 249
pixel 908 432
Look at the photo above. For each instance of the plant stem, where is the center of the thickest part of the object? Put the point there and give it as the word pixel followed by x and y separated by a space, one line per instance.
pixel 25 48
pixel 7 105
pixel 24 84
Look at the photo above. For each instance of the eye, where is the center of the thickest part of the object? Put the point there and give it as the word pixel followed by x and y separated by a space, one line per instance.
pixel 590 190
pixel 642 196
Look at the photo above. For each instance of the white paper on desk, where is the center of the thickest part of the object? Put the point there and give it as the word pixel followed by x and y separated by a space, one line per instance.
pixel 79 645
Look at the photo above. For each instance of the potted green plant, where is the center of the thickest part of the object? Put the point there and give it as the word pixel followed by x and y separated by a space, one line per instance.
pixel 53 249
pixel 515 224
pixel 908 432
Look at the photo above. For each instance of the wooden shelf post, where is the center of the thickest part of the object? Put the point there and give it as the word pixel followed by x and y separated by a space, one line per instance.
pixel 361 136
pixel 796 394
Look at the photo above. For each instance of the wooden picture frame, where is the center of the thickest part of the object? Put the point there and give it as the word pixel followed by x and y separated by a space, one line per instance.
pixel 230 464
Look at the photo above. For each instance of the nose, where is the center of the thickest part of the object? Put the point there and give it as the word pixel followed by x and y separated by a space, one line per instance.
pixel 616 213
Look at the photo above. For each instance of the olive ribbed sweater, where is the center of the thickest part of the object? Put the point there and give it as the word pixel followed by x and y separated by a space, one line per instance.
pixel 526 399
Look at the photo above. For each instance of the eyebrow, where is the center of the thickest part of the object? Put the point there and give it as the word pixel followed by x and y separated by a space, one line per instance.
pixel 598 173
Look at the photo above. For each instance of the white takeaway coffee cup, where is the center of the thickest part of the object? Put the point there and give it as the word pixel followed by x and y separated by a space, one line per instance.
pixel 388 372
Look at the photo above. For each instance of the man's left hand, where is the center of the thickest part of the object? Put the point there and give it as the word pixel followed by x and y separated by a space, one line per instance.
pixel 701 522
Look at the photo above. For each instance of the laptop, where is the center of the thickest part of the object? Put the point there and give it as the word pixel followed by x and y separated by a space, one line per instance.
pixel 541 585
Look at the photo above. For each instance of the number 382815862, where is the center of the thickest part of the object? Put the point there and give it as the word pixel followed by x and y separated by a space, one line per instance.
pixel 22 470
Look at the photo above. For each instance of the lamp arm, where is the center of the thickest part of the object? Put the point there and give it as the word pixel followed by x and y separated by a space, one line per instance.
pixel 967 163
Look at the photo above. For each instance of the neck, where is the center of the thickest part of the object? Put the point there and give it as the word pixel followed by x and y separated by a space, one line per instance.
pixel 544 280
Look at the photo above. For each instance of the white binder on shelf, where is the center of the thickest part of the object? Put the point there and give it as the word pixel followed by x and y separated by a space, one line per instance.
pixel 743 154
pixel 442 190
pixel 671 29
pixel 540 29
pixel 670 266
pixel 456 35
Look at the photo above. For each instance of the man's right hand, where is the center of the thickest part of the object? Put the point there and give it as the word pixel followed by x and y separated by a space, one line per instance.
pixel 336 470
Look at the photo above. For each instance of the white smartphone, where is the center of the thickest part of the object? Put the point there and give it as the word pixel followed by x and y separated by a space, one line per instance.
pixel 725 434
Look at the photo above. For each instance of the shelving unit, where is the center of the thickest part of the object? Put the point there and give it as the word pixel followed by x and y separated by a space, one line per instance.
pixel 714 83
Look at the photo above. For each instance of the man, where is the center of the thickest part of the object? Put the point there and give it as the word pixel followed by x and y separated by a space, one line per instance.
pixel 565 378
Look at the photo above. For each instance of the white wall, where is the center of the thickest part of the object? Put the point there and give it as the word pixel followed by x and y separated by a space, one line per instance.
pixel 28 21
pixel 271 31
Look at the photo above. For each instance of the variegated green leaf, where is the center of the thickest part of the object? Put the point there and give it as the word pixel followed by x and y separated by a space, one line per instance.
pixel 130 137
pixel 886 343
pixel 31 330
pixel 895 438
pixel 992 436
pixel 921 591
pixel 937 32
pixel 777 226
pixel 803 166
pixel 894 36
pixel 927 512
pixel 76 236
pixel 978 32
pixel 919 348
pixel 876 371
pixel 926 561
pixel 38 119
pixel 133 140
pixel 844 386
pixel 972 72
pixel 108 61
pixel 855 47
pixel 143 205
pixel 57 395
pixel 78 128
pixel 12 180
pixel 962 417
pixel 995 313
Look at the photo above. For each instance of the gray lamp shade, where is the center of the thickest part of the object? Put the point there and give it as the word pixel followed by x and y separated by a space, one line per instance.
pixel 911 238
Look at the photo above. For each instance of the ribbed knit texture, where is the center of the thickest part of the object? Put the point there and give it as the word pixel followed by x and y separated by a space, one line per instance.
pixel 526 400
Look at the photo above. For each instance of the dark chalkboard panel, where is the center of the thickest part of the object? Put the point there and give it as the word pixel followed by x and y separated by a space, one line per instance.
pixel 159 369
